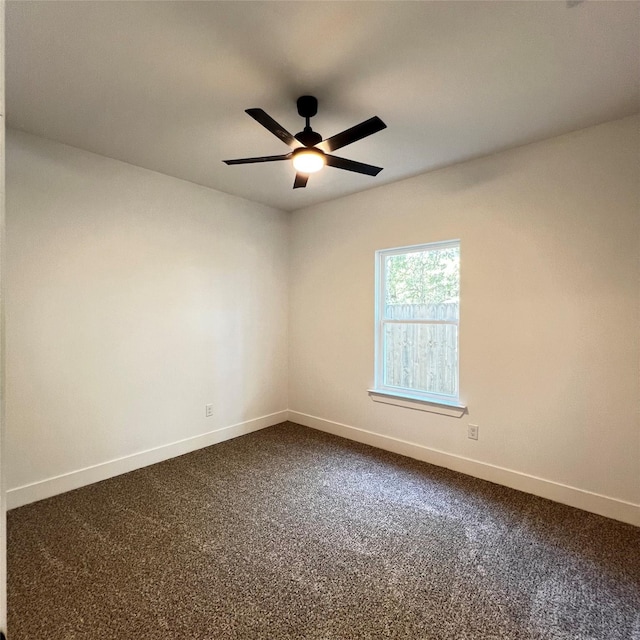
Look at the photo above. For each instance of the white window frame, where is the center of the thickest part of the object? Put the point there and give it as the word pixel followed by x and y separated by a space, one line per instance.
pixel 411 398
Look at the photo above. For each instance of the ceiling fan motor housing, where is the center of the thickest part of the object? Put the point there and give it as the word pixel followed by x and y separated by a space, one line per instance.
pixel 308 137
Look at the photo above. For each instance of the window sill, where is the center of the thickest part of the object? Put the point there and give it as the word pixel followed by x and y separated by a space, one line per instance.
pixel 442 407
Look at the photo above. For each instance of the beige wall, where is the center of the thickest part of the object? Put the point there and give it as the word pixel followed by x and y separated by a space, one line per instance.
pixel 133 299
pixel 549 335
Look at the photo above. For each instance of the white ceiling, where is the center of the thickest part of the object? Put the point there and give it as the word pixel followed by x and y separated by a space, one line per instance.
pixel 164 85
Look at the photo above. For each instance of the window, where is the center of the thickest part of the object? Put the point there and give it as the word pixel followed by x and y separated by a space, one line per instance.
pixel 417 315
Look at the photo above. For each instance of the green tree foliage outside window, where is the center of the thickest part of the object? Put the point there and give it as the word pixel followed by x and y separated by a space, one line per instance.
pixel 423 277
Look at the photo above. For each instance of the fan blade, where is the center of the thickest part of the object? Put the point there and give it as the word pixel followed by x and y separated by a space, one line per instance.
pixel 277 129
pixel 300 181
pixel 286 156
pixel 362 130
pixel 352 165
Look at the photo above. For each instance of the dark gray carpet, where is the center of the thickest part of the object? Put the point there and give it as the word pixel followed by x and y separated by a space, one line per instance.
pixel 292 533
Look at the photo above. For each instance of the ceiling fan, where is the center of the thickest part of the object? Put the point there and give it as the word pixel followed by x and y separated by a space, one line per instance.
pixel 310 152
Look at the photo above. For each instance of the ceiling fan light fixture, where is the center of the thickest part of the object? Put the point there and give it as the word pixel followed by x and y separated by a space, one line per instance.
pixel 308 160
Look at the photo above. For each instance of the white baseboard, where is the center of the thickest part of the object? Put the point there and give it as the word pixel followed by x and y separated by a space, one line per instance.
pixel 20 496
pixel 572 496
pixel 579 498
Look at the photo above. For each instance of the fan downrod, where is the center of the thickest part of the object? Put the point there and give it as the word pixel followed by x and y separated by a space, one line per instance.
pixel 307 108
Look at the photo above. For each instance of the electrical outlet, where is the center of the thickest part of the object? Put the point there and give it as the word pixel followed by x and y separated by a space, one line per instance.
pixel 472 431
pixel 208 410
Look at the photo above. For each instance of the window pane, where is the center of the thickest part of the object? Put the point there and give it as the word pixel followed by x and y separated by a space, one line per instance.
pixel 423 277
pixel 421 357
